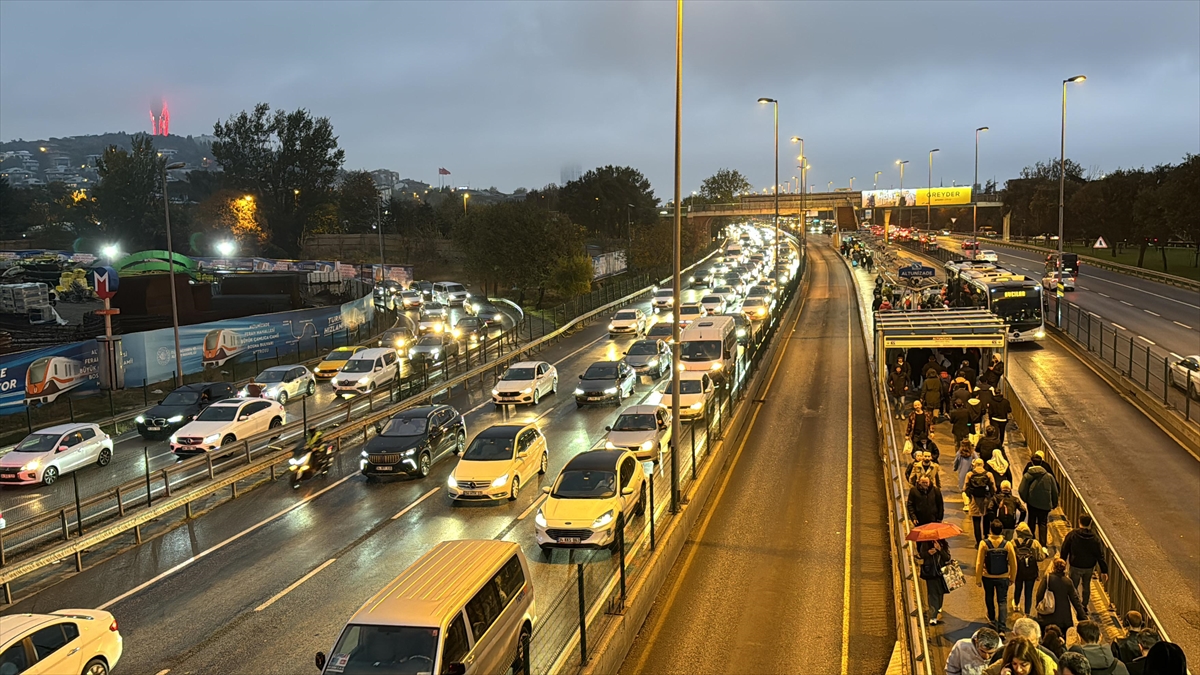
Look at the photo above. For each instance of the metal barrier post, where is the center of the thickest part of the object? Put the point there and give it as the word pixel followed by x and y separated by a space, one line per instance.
pixel 621 545
pixel 149 498
pixel 694 447
pixel 1147 368
pixel 1130 371
pixel 653 470
pixel 1166 379
pixel 78 506
pixel 582 615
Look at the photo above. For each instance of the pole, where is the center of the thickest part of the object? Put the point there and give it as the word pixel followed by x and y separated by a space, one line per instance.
pixel 171 274
pixel 1062 163
pixel 379 226
pixel 776 107
pixel 675 430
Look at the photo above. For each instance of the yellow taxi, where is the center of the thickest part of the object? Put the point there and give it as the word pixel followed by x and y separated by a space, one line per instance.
pixel 329 366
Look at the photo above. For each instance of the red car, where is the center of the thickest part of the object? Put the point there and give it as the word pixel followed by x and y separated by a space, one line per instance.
pixel 969 244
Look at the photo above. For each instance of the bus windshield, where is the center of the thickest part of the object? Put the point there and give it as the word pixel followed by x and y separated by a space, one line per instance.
pixel 700 350
pixel 1018 310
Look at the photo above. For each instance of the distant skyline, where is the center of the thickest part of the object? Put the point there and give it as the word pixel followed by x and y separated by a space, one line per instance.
pixel 510 94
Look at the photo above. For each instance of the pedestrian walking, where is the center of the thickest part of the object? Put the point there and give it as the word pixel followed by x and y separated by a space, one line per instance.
pixel 1099 656
pixel 934 556
pixel 960 421
pixel 966 372
pixel 920 423
pixel 997 465
pixel 975 413
pixel 1082 550
pixel 931 391
pixel 944 379
pixel 1166 658
pixel 1126 646
pixel 1052 640
pixel 1071 663
pixel 1039 491
pixel 994 373
pixel 980 488
pixel 897 387
pixel 1146 639
pixel 925 502
pixel 995 570
pixel 1007 508
pixel 1022 656
pixel 999 410
pixel 1057 611
pixel 963 459
pixel 924 467
pixel 970 656
pixel 1027 629
pixel 1029 554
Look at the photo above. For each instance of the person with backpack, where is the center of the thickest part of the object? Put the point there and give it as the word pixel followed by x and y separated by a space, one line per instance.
pixel 1126 646
pixel 1039 491
pixel 1029 553
pixel 980 488
pixel 934 556
pixel 995 570
pixel 1099 657
pixel 1082 550
pixel 1146 639
pixel 1054 598
pixel 1007 508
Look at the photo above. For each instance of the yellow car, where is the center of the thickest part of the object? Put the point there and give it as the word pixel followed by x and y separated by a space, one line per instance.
pixel 329 366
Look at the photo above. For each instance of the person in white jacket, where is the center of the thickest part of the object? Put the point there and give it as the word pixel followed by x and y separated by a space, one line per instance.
pixel 970 657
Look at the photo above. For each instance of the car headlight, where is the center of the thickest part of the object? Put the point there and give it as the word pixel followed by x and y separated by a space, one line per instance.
pixel 364 453
pixel 410 452
pixel 741 332
pixel 652 362
pixel 451 482
pixel 31 465
pixel 439 328
pixel 242 393
pixel 208 440
pixel 139 419
pixel 579 392
pixel 500 481
pixel 301 460
pixel 495 392
pixel 364 380
pixel 456 332
pixel 610 326
pixel 172 440
pixel 608 445
pixel 174 419
pixel 539 518
pixel 697 405
pixel 412 353
pixel 527 390
pixel 716 365
pixel 436 351
pixel 604 519
pixel 1041 333
pixel 610 390
pixel 647 445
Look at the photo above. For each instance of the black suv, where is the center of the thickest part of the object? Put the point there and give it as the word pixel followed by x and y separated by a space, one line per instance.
pixel 412 440
pixel 180 407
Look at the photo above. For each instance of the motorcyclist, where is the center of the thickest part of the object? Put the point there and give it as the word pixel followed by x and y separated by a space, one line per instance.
pixel 319 461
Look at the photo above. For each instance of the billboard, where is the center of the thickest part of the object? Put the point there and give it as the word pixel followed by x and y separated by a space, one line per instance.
pixel 939 196
pixel 878 199
pixel 943 196
pixel 39 376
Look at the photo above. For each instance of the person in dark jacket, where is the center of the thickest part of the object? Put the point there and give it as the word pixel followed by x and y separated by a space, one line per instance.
pixel 897 387
pixel 1006 508
pixel 997 465
pixel 966 372
pixel 994 373
pixel 1146 639
pixel 1029 554
pixel 931 394
pixel 920 423
pixel 1039 491
pixel 1082 550
pixel 999 410
pixel 1099 657
pixel 1166 658
pixel 904 367
pixel 1037 459
pixel 960 421
pixel 989 442
pixel 1126 646
pixel 976 413
pixel 1052 640
pixel 1065 597
pixel 934 556
pixel 925 502
pixel 944 379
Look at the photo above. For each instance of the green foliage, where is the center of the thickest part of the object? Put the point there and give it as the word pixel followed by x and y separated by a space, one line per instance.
pixel 724 186
pixel 608 199
pixel 571 276
pixel 358 202
pixel 129 208
pixel 290 160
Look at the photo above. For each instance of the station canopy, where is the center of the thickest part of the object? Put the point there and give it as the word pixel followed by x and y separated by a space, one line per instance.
pixel 939 329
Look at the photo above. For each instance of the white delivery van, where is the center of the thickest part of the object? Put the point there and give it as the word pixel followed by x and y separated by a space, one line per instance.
pixel 465 607
pixel 709 344
pixel 366 371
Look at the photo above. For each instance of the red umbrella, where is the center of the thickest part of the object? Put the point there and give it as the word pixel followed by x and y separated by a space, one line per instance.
pixel 933 532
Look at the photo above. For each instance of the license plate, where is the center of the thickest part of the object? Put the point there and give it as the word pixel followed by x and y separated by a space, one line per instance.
pixel 383 468
pixel 153 428
pixel 568 540
pixel 8 475
pixel 473 493
pixel 594 398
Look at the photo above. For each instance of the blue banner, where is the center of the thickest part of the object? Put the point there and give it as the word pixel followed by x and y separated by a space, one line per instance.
pixel 40 376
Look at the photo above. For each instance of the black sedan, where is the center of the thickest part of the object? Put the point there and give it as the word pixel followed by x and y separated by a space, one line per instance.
pixel 180 407
pixel 412 440
pixel 605 382
pixel 484 310
pixel 471 330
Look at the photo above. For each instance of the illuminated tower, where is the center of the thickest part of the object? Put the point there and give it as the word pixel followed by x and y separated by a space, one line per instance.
pixel 160 118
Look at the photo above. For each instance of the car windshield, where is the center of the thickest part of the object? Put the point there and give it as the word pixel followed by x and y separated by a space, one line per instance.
pixel 218 413
pixel 519 374
pixel 271 376
pixel 664 293
pixel 661 329
pixel 586 484
pixel 430 341
pixel 635 422
pixel 711 299
pixel 410 294
pixel 454 288
pixel 723 290
pixel 489 449
pixel 394 335
pixel 405 426
pixel 625 315
pixel 700 350
pixel 340 354
pixel 642 348
pixel 358 366
pixel 601 371
pixel 753 302
pixel 181 398
pixel 758 291
pixel 685 386
pixel 691 310
pixel 37 443
pixel 469 323
pixel 384 650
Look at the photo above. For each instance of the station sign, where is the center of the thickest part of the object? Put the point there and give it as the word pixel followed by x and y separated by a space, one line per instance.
pixel 917 271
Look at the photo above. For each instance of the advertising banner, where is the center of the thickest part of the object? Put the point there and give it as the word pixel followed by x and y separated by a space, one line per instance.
pixel 40 376
pixel 608 264
pixel 878 199
pixel 943 196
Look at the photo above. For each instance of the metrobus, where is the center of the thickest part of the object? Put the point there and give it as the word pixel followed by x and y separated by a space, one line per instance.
pixel 1015 298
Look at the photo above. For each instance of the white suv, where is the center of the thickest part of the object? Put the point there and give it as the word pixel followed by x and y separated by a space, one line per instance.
pixel 281 383
pixel 525 382
pixel 596 493
pixel 48 453
pixel 366 371
pixel 499 460
pixel 644 430
pixel 225 422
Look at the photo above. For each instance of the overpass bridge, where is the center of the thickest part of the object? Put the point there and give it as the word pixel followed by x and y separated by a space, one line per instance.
pixel 845 205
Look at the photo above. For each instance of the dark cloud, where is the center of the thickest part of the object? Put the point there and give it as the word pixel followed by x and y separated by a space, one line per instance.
pixel 507 93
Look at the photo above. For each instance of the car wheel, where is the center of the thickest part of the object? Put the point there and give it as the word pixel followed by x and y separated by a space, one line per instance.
pixel 545 464
pixel 519 667
pixel 95 667
pixel 312 387
pixel 515 490
pixel 49 475
pixel 275 422
pixel 641 505
pixel 105 457
pixel 537 395
pixel 424 463
pixel 283 398
pixel 461 443
pixel 229 438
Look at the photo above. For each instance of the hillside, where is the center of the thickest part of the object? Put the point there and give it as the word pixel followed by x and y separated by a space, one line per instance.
pixel 188 148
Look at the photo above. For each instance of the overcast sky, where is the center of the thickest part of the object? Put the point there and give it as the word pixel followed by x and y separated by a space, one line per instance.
pixel 507 94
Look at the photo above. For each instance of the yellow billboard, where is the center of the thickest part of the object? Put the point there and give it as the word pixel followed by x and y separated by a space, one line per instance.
pixel 943 196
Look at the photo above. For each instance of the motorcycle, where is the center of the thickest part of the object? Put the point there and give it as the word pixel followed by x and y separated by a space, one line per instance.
pixel 309 461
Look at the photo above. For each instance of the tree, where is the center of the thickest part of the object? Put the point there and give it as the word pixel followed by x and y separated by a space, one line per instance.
pixel 358 202
pixel 128 198
pixel 289 160
pixel 724 186
pixel 608 200
pixel 228 214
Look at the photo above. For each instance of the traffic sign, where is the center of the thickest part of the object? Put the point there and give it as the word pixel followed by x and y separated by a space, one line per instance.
pixel 916 271
pixel 105 280
pixel 1100 243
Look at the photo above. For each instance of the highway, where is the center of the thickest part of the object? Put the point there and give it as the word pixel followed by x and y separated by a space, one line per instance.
pixel 261 583
pixel 784 572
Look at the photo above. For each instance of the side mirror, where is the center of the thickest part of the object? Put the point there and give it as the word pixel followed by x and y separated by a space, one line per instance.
pixel 523 453
pixel 581 377
pixel 320 660
pixel 626 491
pixel 243 418
pixel 456 669
pixel 63 448
pixel 608 428
pixel 546 489
pixel 160 401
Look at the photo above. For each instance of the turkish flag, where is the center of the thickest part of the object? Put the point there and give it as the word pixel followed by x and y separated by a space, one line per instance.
pixel 443 172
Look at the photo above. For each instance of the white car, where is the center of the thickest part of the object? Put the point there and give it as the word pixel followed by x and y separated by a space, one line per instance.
pixel 68 641
pixel 690 312
pixel 988 255
pixel 713 304
pixel 525 382
pixel 644 430
pixel 596 493
pixel 226 422
pixel 48 453
pixel 366 371
pixel 696 393
pixel 756 309
pixel 499 460
pixel 1185 370
pixel 662 299
pixel 431 322
pixel 281 383
pixel 628 322
pixel 726 293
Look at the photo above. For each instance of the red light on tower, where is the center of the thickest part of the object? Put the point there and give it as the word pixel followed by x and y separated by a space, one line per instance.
pixel 160 121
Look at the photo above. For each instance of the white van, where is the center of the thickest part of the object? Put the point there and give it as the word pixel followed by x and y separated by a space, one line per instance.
pixel 733 253
pixel 366 371
pixel 709 344
pixel 464 607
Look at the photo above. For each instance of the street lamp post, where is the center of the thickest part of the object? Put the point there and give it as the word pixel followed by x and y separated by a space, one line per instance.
pixel 830 189
pixel 875 183
pixel 1062 178
pixel 171 271
pixel 852 183
pixel 379 226
pixel 974 196
pixel 676 430
pixel 900 210
pixel 803 200
pixel 928 196
pixel 775 103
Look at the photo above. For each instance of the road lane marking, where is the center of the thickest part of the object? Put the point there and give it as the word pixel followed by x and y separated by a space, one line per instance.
pixel 1106 295
pixel 1119 326
pixel 413 505
pixel 1151 313
pixel 1095 315
pixel 1176 356
pixel 1182 324
pixel 1139 290
pixel 144 585
pixel 164 671
pixel 1130 304
pixel 1147 340
pixel 294 585
pixel 536 503
pixel 849 489
pixel 1083 288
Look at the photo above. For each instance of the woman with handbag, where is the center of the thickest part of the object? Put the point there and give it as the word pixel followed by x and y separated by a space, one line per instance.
pixel 1056 596
pixel 934 556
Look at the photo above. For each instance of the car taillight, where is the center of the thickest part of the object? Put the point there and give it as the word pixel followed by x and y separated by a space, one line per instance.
pixel 113 626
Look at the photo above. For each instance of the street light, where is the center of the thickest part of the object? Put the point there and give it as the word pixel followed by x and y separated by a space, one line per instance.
pixel 676 430
pixel 875 183
pixel 852 183
pixel 928 196
pixel 803 199
pixel 776 105
pixel 830 188
pixel 111 252
pixel 900 211
pixel 171 270
pixel 975 197
pixel 225 248
pixel 1062 177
